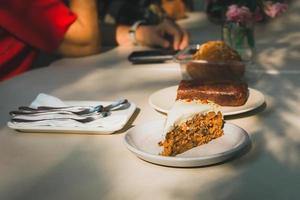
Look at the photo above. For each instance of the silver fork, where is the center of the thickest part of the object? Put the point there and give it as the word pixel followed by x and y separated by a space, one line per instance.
pixel 83 120
pixel 58 110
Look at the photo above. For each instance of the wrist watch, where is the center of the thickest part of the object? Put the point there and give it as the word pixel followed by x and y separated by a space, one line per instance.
pixel 132 31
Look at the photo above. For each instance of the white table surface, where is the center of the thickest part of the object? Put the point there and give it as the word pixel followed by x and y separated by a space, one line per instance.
pixel 77 166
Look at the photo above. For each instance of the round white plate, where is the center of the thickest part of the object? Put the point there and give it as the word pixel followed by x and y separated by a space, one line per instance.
pixel 143 141
pixel 163 100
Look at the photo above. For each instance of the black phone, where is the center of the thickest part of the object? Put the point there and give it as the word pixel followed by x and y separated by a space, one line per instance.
pixel 152 56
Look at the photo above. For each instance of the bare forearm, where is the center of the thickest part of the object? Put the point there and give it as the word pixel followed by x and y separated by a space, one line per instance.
pixel 122 35
pixel 83 36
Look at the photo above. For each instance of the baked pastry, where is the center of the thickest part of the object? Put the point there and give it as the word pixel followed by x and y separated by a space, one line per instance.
pixel 222 92
pixel 190 124
pixel 216 51
pixel 215 60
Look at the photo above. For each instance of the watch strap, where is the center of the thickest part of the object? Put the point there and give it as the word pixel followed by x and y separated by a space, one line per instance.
pixel 132 31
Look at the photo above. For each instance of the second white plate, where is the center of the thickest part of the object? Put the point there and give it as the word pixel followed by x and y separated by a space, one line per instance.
pixel 163 100
pixel 143 141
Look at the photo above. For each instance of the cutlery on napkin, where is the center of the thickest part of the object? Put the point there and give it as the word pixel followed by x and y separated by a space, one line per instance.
pixel 48 110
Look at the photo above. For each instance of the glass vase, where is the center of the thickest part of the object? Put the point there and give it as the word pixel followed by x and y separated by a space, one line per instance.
pixel 241 38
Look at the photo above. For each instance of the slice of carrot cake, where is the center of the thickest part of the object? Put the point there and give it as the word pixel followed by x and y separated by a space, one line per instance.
pixel 190 124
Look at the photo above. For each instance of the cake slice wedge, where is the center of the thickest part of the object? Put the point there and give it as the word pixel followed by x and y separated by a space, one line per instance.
pixel 190 124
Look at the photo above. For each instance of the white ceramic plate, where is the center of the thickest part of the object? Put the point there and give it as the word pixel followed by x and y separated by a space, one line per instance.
pixel 127 113
pixel 143 141
pixel 163 100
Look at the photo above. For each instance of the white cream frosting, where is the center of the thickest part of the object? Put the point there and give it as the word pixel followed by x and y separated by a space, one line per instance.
pixel 183 111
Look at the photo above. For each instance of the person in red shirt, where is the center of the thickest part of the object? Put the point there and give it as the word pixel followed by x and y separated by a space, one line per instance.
pixel 30 26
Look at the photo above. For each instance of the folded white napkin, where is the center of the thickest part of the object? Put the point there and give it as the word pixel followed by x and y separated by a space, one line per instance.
pixel 109 122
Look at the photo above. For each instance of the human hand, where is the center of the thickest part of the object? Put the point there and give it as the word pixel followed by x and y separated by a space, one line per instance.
pixel 155 35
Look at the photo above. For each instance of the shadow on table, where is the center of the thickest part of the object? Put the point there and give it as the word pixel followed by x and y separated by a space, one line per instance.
pixel 79 175
pixel 270 170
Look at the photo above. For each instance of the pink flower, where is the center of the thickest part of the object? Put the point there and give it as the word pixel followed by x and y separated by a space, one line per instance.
pixel 239 14
pixel 275 9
